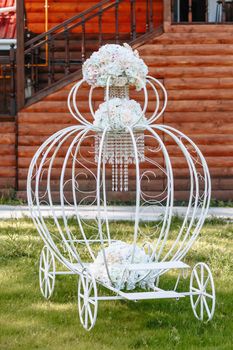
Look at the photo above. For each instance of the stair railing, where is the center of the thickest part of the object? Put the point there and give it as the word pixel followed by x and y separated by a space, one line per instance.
pixel 51 57
pixel 7 84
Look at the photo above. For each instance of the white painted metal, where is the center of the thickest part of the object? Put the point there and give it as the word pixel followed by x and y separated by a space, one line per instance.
pixel 47 272
pixel 158 266
pixel 152 295
pixel 202 292
pixel 67 244
pixel 87 300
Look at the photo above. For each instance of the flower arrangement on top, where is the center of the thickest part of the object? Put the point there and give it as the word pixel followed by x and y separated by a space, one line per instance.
pixel 117 62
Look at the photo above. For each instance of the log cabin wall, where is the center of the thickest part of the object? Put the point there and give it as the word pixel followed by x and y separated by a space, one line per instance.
pixel 7 158
pixel 195 64
pixel 61 10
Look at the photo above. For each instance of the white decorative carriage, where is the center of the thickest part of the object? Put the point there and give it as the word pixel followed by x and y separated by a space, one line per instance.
pixel 122 151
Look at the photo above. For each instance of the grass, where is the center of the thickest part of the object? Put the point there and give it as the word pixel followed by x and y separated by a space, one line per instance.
pixel 11 199
pixel 29 322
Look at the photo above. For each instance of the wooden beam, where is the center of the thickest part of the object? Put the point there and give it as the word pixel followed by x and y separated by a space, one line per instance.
pixel 190 11
pixel 223 19
pixel 20 72
pixel 167 14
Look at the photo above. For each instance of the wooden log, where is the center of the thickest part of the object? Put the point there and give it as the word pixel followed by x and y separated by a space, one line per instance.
pixel 197 83
pixel 7 182
pixel 193 38
pixel 54 106
pixel 195 72
pixel 200 106
pixel 7 160
pixel 188 61
pixel 7 172
pixel 201 94
pixel 7 149
pixel 200 29
pixel 187 117
pixel 7 127
pixel 7 139
pixel 186 50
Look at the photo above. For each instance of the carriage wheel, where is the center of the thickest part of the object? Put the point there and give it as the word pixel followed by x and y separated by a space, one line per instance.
pixel 202 292
pixel 47 272
pixel 87 301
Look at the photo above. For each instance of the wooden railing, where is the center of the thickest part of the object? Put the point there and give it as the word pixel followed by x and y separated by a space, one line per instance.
pixel 51 57
pixel 7 84
pixel 192 12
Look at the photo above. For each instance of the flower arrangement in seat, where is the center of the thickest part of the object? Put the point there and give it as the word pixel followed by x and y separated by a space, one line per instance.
pixel 118 255
pixel 118 113
pixel 121 63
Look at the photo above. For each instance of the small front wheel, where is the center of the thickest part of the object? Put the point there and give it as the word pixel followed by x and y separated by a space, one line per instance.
pixel 87 300
pixel 202 292
pixel 47 272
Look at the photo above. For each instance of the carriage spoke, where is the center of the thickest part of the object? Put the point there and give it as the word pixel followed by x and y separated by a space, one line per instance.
pixel 202 276
pixel 82 310
pixel 206 282
pixel 197 279
pixel 50 263
pixel 89 312
pixel 46 273
pixel 208 295
pixel 86 317
pixel 197 301
pixel 49 286
pixel 43 258
pixel 90 288
pixel 207 308
pixel 46 289
pixel 92 302
pixel 201 308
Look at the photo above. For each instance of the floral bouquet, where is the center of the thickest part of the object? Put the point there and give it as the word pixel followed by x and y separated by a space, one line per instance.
pixel 121 63
pixel 118 113
pixel 118 255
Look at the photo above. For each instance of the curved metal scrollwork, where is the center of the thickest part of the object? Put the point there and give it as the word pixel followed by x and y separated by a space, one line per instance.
pixel 84 164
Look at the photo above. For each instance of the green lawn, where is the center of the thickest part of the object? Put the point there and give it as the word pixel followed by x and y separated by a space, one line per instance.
pixel 29 322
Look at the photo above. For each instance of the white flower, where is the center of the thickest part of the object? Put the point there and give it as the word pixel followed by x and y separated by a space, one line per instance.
pixel 119 113
pixel 118 255
pixel 115 61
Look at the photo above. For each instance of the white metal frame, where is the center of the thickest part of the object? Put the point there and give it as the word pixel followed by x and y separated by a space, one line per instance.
pixel 67 249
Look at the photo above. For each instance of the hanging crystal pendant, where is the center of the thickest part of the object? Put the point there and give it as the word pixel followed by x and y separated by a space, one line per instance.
pixel 118 147
pixel 118 151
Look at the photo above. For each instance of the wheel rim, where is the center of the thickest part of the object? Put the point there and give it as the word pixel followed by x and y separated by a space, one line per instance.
pixel 47 272
pixel 87 301
pixel 202 292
